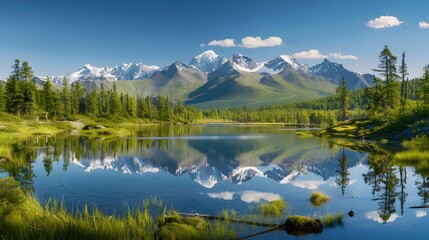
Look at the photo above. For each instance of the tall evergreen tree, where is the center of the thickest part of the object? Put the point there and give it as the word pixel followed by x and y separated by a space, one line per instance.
pixel 403 70
pixel 28 88
pixel 76 97
pixel 66 97
pixel 343 96
pixel 115 103
pixel 48 97
pixel 376 97
pixel 93 101
pixel 387 68
pixel 14 97
pixel 2 100
pixel 424 86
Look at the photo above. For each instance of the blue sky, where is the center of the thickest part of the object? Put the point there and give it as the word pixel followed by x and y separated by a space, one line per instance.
pixel 58 37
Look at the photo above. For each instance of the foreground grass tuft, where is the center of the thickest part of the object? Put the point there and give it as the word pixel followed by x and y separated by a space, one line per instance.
pixel 332 220
pixel 273 209
pixel 318 198
pixel 22 217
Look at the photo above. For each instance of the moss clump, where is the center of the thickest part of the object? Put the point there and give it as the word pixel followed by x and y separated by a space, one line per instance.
pixel 332 220
pixel 272 209
pixel 172 231
pixel 300 225
pixel 318 198
pixel 174 226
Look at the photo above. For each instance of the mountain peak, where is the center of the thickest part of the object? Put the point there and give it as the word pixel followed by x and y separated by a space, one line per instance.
pixel 243 63
pixel 125 71
pixel 208 53
pixel 88 66
pixel 335 72
pixel 207 61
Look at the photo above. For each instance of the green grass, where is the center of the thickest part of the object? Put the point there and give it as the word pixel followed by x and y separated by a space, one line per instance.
pixel 412 156
pixel 22 217
pixel 421 143
pixel 272 209
pixel 228 214
pixel 5 153
pixel 318 198
pixel 332 220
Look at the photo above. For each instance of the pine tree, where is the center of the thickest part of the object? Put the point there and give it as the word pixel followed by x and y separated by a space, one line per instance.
pixel 57 104
pixel 115 103
pixel 104 100
pixel 403 69
pixel 2 100
pixel 376 97
pixel 66 97
pixel 343 96
pixel 93 101
pixel 149 114
pixel 424 86
pixel 28 88
pixel 179 108
pixel 14 98
pixel 48 97
pixel 76 98
pixel 387 68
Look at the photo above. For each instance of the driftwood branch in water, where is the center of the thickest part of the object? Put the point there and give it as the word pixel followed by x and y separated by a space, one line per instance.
pixel 270 225
pixel 423 206
pixel 294 224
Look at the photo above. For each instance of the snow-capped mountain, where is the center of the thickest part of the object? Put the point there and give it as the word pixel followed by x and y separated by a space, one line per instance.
pixel 128 71
pixel 243 63
pixel 55 79
pixel 207 61
pixel 279 63
pixel 334 72
pixel 178 73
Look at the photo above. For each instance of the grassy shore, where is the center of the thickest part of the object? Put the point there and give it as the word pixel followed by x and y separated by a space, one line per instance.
pixel 13 127
pixel 403 125
pixel 23 217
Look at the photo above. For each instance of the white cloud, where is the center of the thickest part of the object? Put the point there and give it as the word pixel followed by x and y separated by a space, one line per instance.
pixel 423 24
pixel 339 55
pixel 202 45
pixel 310 54
pixel 375 216
pixel 420 214
pixel 229 42
pixel 309 184
pixel 257 42
pixel 222 195
pixel 256 197
pixel 384 22
pixel 247 42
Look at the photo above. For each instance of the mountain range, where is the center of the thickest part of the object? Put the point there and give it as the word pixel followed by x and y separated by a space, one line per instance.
pixel 210 80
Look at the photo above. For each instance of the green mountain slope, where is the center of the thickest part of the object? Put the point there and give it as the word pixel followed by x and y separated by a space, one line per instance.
pixel 255 90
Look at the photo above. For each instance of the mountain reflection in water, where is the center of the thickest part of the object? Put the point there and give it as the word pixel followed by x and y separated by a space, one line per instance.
pixel 205 168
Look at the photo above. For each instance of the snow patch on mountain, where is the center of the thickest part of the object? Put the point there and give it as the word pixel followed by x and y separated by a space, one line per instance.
pixel 126 71
pixel 207 61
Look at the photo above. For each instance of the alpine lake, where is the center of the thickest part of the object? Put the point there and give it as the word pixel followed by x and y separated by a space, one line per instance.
pixel 208 168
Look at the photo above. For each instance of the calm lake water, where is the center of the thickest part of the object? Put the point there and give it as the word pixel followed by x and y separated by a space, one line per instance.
pixel 204 169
